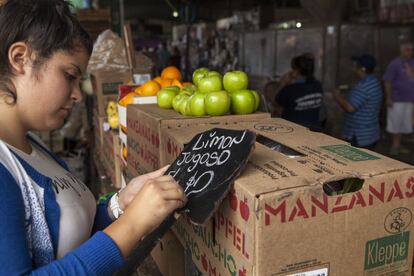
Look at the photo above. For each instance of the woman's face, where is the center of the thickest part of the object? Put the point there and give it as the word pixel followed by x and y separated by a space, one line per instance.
pixel 46 95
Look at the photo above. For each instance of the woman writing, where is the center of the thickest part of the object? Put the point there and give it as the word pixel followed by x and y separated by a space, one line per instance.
pixel 49 222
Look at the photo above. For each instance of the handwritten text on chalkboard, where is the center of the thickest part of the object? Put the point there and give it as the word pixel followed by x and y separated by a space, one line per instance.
pixel 208 165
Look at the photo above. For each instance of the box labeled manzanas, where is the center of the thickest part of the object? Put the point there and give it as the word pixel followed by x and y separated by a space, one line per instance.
pixel 306 204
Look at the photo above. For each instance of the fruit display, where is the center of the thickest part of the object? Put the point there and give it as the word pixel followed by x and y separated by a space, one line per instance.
pixel 170 76
pixel 166 95
pixel 112 113
pixel 133 94
pixel 149 88
pixel 210 93
pixel 234 81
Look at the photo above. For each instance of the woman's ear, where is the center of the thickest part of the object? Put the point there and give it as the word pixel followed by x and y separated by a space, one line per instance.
pixel 19 56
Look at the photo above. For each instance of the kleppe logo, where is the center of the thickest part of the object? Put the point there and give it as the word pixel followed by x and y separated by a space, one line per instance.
pixel 387 250
pixel 398 220
pixel 392 249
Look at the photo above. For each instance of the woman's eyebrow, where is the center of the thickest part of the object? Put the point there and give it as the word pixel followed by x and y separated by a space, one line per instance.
pixel 78 69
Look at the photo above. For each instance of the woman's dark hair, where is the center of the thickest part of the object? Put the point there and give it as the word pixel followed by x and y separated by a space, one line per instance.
pixel 47 26
pixel 305 65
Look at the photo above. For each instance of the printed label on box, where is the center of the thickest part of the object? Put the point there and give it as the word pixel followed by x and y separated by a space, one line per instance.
pixel 386 250
pixel 350 153
pixel 110 88
pixel 141 78
pixel 318 272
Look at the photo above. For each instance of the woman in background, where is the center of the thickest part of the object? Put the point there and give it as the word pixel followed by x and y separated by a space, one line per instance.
pixel 301 98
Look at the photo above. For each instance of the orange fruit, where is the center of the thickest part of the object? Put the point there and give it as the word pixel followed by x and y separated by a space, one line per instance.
pixel 166 82
pixel 128 99
pixel 124 152
pixel 138 90
pixel 158 79
pixel 177 83
pixel 150 88
pixel 171 72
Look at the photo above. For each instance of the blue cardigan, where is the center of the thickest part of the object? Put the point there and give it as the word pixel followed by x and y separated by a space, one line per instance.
pixel 97 256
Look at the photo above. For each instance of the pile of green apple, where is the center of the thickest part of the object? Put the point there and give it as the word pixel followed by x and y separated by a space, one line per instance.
pixel 207 97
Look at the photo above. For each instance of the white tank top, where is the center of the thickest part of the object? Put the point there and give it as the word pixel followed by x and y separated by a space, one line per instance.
pixel 77 203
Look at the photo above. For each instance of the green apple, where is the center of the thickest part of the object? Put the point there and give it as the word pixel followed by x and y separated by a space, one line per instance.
pixel 165 97
pixel 187 110
pixel 182 107
pixel 214 73
pixel 217 103
pixel 257 98
pixel 189 88
pixel 243 102
pixel 199 74
pixel 210 83
pixel 186 92
pixel 235 80
pixel 176 102
pixel 197 105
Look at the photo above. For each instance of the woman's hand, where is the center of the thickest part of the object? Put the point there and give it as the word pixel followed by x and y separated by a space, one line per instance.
pixel 155 199
pixel 127 194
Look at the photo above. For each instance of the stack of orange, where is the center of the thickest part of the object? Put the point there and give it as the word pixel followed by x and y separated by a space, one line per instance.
pixel 149 88
pixel 170 76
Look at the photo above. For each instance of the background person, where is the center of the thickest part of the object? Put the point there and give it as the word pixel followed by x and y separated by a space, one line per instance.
pixel 301 97
pixel 362 106
pixel 399 93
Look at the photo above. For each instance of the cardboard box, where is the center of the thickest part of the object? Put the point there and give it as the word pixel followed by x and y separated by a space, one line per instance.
pixel 169 255
pixel 124 90
pixel 281 219
pixel 110 157
pixel 133 164
pixel 145 123
pixel 105 87
pixel 140 78
pixel 98 128
pixel 190 267
pixel 122 110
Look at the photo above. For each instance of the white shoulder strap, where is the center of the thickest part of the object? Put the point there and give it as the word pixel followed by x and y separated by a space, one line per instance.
pixel 37 231
pixel 12 164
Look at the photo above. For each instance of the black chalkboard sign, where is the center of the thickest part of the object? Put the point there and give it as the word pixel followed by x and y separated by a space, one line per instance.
pixel 208 166
pixel 205 169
